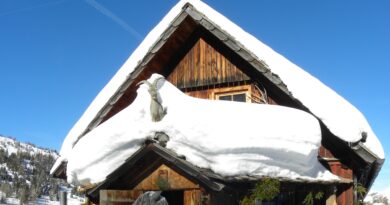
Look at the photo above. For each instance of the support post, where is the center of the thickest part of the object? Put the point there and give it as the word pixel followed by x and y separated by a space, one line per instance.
pixel 332 198
pixel 63 198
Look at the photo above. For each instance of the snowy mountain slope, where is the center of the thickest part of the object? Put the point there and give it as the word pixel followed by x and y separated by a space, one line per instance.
pixel 378 198
pixel 24 171
pixel 72 200
pixel 12 146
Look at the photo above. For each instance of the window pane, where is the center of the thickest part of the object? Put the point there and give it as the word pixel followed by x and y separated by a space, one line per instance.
pixel 239 97
pixel 225 97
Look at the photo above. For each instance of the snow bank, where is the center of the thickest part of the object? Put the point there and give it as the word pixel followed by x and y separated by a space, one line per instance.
pixel 228 137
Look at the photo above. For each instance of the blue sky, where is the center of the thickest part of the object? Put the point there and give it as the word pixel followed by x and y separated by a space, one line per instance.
pixel 56 55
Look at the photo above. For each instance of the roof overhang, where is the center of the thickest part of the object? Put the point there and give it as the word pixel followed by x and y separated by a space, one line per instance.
pixel 60 171
pixel 374 163
pixel 366 164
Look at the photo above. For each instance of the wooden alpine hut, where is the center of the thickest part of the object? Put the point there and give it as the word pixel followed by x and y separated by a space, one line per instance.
pixel 163 124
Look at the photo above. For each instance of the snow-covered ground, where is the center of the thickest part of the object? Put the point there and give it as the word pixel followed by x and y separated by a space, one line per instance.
pixel 45 200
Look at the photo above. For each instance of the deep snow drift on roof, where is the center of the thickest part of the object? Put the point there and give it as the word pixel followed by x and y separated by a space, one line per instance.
pixel 342 118
pixel 230 138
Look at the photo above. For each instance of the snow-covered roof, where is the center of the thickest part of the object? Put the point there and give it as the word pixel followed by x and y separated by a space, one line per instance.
pixel 342 118
pixel 229 138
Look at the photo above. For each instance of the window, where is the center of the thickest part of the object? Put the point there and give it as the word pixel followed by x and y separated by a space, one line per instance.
pixel 238 94
pixel 238 97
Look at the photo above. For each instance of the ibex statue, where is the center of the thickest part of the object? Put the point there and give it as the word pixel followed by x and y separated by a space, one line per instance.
pixel 157 111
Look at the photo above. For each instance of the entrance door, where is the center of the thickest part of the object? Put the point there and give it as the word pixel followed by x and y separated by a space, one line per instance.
pixel 174 197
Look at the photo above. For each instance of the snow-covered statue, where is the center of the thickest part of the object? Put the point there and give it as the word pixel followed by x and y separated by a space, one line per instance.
pixel 162 138
pixel 157 111
pixel 151 198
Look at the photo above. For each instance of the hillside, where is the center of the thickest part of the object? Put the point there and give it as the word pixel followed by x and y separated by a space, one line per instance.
pixel 24 171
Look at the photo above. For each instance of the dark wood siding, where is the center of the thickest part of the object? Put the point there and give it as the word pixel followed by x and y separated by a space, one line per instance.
pixel 344 192
pixel 205 66
pixel 204 71
pixel 253 93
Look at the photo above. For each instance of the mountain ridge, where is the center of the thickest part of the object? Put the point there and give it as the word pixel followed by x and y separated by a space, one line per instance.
pixel 28 145
pixel 24 171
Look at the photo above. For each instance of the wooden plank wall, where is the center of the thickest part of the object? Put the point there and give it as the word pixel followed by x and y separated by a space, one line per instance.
pixel 118 197
pixel 336 167
pixel 192 197
pixel 254 94
pixel 344 192
pixel 325 153
pixel 345 195
pixel 127 197
pixel 203 66
pixel 204 71
pixel 165 176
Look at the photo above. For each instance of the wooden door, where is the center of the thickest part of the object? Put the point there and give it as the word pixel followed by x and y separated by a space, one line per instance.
pixel 192 197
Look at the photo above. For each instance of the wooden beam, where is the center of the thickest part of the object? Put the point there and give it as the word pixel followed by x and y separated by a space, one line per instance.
pixel 192 197
pixel 116 197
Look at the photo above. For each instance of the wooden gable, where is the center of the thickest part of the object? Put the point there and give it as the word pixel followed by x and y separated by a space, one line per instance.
pixel 205 72
pixel 170 47
pixel 204 66
pixel 154 168
pixel 193 41
pixel 164 178
pixel 177 189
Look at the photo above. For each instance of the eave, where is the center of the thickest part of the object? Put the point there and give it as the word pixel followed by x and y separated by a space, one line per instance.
pixel 374 163
pixel 60 171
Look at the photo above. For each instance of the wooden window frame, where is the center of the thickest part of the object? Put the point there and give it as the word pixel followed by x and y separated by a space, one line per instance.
pixel 243 89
